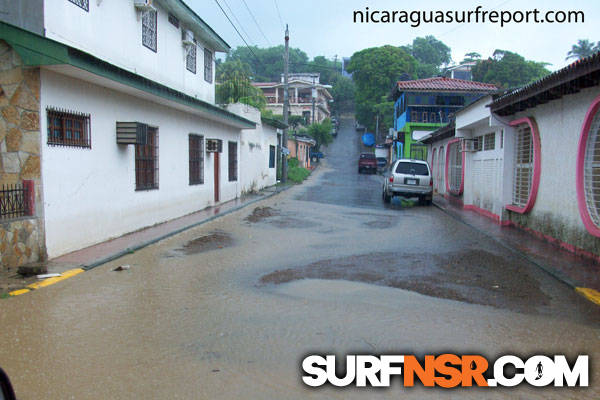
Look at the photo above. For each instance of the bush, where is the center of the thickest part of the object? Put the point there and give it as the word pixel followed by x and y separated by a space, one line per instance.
pixel 296 173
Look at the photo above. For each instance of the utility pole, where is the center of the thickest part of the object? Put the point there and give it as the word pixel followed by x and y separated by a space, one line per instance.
pixel 314 98
pixel 286 59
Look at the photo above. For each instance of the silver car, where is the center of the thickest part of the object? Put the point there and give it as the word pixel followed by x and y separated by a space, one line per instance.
pixel 408 178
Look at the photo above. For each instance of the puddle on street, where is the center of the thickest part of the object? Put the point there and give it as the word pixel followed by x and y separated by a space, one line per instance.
pixel 261 213
pixel 212 241
pixel 385 223
pixel 472 276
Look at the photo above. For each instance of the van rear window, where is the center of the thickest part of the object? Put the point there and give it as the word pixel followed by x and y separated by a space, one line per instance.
pixel 412 168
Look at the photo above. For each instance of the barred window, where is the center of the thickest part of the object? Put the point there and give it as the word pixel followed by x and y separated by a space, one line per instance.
pixel 190 60
pixel 67 128
pixel 196 149
pixel 149 29
pixel 591 170
pixel 523 170
pixel 477 143
pixel 146 162
pixel 208 66
pixel 174 20
pixel 85 4
pixel 233 164
pixel 454 167
pixel 489 141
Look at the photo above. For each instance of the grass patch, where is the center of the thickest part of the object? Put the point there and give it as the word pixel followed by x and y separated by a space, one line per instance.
pixel 296 173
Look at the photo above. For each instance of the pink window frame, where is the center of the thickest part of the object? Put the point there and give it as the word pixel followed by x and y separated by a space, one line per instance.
pixel 537 165
pixel 462 170
pixel 583 138
pixel 433 168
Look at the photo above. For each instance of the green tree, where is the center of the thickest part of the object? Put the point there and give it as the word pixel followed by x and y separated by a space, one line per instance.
pixel 234 85
pixel 266 64
pixel 584 48
pixel 508 70
pixel 375 72
pixel 343 94
pixel 430 53
pixel 470 57
pixel 321 132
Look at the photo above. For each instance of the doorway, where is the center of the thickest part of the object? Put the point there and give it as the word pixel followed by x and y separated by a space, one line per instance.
pixel 217 176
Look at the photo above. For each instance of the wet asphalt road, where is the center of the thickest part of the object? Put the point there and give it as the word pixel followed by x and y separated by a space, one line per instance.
pixel 229 309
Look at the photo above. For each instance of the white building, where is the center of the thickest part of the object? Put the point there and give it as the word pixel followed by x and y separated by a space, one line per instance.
pixel 529 158
pixel 117 126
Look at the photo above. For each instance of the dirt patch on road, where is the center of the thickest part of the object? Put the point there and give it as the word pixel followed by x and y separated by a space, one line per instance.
pixel 473 276
pixel 384 223
pixel 212 241
pixel 261 213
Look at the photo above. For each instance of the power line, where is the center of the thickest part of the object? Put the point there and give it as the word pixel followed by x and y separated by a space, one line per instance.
pixel 238 32
pixel 238 21
pixel 278 13
pixel 256 22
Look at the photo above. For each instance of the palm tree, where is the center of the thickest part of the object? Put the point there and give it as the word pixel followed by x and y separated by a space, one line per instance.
pixel 584 48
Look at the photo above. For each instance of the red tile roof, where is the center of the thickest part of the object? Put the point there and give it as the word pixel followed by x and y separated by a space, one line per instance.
pixel 445 84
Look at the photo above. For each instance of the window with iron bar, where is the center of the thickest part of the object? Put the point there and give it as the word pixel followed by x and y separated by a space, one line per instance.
pixel 68 128
pixel 489 141
pixel 591 170
pixel 14 201
pixel 523 170
pixel 477 143
pixel 146 162
pixel 190 59
pixel 149 29
pixel 232 160
pixel 196 149
pixel 84 4
pixel 208 66
pixel 455 167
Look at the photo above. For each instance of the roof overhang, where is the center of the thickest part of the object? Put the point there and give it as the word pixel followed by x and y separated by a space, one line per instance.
pixel 442 133
pixel 39 51
pixel 275 123
pixel 571 79
pixel 193 22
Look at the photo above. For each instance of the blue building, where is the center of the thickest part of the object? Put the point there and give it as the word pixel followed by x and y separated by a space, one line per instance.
pixel 424 105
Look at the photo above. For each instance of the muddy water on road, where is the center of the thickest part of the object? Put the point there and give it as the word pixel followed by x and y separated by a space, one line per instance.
pixel 203 316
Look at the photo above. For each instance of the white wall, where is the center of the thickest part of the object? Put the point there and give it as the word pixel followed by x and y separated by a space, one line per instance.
pixel 112 31
pixel 255 173
pixel 90 196
pixel 559 123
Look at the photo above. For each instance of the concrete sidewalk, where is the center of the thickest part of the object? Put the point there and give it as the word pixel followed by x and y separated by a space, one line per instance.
pixel 104 252
pixel 580 273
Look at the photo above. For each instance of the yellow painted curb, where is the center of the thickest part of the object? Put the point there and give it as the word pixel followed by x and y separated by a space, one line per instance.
pixel 18 292
pixel 591 294
pixel 53 280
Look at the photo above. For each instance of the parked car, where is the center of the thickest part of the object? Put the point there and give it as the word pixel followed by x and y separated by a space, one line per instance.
pixel 367 162
pixel 316 156
pixel 334 132
pixel 408 178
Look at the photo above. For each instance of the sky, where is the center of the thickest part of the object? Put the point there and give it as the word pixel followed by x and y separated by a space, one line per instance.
pixel 326 27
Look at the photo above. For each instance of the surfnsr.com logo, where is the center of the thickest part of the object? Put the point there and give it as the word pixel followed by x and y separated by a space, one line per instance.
pixel 446 371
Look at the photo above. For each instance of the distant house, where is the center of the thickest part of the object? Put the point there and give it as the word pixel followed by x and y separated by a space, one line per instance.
pixel 461 71
pixel 422 106
pixel 111 121
pixel 299 147
pixel 530 157
pixel 307 97
pixel 259 148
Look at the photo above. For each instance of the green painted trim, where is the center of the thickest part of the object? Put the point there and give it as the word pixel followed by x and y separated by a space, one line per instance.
pixel 36 50
pixel 275 123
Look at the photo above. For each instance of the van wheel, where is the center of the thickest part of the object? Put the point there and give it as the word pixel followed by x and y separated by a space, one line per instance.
pixel 386 197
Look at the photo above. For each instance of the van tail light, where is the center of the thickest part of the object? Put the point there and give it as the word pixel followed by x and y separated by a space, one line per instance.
pixel 430 181
pixel 392 179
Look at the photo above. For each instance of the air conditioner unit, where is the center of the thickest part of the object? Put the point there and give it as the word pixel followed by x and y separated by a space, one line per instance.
pixel 143 5
pixel 214 146
pixel 468 145
pixel 187 37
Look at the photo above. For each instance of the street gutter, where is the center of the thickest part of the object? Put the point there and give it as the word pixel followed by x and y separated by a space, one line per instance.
pixel 590 294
